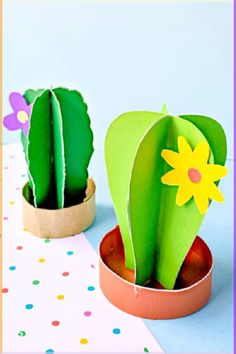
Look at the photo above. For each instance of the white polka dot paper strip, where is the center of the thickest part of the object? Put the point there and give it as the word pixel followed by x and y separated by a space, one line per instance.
pixel 51 297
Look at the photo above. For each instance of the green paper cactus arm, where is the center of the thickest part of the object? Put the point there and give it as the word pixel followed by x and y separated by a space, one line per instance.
pixel 39 151
pixel 58 151
pixel 77 143
pixel 31 95
pixel 121 144
pixel 214 134
pixel 144 200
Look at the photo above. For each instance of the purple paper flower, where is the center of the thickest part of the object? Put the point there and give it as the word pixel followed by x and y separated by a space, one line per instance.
pixel 20 117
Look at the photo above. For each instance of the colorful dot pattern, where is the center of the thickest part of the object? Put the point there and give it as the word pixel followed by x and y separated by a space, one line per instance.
pixel 83 341
pixel 91 288
pixel 65 274
pixel 70 253
pixel 29 306
pixel 116 330
pixel 55 323
pixel 22 334
pixel 60 297
pixel 53 287
pixel 35 282
pixel 5 290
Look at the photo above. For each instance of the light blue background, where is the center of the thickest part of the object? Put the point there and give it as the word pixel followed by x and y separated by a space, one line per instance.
pixel 136 56
pixel 123 56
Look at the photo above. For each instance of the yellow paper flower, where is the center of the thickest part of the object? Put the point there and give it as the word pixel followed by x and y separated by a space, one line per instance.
pixel 193 174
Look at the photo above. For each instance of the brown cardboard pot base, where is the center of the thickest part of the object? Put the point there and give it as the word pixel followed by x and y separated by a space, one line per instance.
pixel 117 282
pixel 51 223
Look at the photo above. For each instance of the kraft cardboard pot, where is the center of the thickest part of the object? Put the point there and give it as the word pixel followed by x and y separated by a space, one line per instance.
pixel 57 223
pixel 192 290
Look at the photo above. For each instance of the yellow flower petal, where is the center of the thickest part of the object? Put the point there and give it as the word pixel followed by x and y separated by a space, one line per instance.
pixel 183 146
pixel 171 178
pixel 201 152
pixel 171 157
pixel 203 189
pixel 215 172
pixel 215 193
pixel 202 201
pixel 183 195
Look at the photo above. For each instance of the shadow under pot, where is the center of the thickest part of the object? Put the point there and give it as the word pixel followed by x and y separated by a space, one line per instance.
pixel 192 289
pixel 57 223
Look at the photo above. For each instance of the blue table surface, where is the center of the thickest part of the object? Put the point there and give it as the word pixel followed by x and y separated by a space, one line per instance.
pixel 137 56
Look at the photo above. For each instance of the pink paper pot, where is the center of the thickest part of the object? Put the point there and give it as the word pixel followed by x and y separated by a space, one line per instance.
pixel 194 282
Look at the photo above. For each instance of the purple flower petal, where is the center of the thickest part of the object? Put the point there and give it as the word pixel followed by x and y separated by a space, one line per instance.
pixel 28 110
pixel 11 122
pixel 19 119
pixel 18 102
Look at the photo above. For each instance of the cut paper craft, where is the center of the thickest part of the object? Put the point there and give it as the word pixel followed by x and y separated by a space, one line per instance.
pixel 58 144
pixel 59 198
pixel 20 117
pixel 157 233
pixel 192 173
pixel 154 215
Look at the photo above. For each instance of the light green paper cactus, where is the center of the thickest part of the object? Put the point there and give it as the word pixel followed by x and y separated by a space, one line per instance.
pixel 157 233
pixel 58 147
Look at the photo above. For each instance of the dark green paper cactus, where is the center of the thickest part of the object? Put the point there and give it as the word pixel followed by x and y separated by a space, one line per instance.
pixel 58 148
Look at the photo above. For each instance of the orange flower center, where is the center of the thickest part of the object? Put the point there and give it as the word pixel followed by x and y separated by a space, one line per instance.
pixel 194 175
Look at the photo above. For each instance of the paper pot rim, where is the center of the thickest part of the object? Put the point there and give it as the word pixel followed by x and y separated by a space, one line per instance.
pixel 154 289
pixel 64 222
pixel 90 191
pixel 167 304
